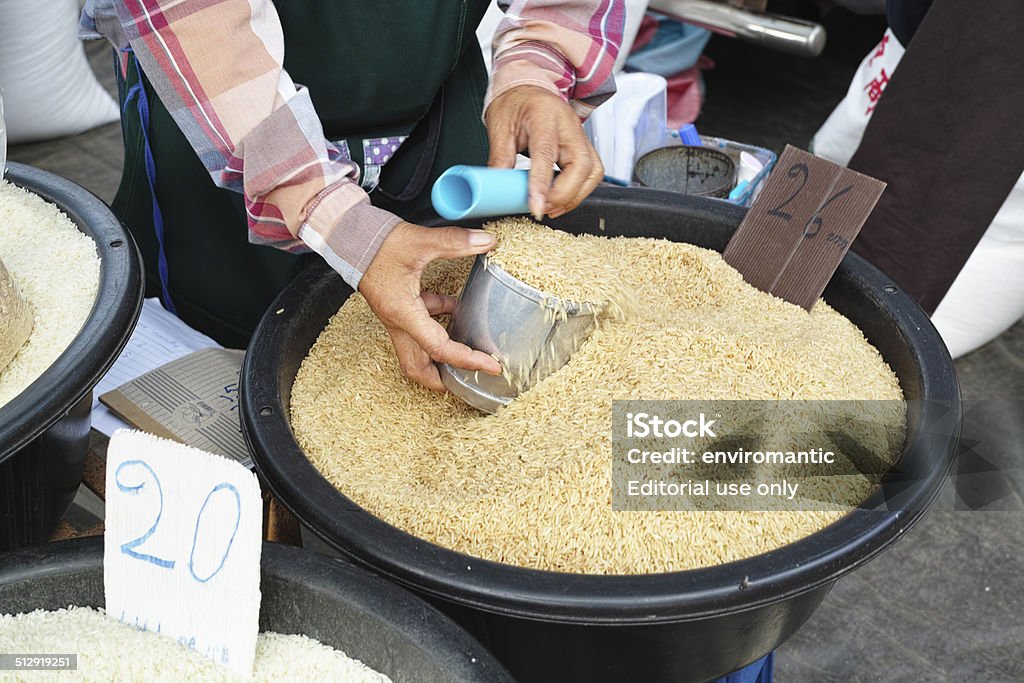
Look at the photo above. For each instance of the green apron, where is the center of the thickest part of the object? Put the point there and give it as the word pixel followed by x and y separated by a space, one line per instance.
pixel 407 68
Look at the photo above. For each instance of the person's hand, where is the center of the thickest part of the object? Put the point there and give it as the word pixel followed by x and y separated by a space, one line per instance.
pixel 528 117
pixel 391 286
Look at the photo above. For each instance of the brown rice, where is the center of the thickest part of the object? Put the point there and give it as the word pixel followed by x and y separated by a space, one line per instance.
pixel 530 486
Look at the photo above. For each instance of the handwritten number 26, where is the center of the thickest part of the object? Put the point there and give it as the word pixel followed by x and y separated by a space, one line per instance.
pixel 129 548
pixel 795 171
pixel 813 226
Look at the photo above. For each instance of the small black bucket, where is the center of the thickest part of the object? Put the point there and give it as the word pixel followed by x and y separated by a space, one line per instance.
pixel 683 626
pixel 44 431
pixel 698 171
pixel 303 593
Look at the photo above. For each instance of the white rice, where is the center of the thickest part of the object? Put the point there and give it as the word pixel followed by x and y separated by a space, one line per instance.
pixel 111 651
pixel 57 269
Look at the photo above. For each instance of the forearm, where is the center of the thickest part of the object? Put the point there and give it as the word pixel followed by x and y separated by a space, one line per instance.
pixel 566 47
pixel 218 69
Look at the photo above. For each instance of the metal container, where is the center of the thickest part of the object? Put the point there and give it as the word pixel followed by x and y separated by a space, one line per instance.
pixel 303 593
pixel 700 171
pixel 681 626
pixel 44 430
pixel 531 333
pixel 734 149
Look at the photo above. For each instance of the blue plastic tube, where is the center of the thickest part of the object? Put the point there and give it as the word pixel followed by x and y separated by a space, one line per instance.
pixel 689 135
pixel 478 192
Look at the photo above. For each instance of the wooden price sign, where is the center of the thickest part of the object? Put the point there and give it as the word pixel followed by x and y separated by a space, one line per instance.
pixel 802 224
pixel 182 546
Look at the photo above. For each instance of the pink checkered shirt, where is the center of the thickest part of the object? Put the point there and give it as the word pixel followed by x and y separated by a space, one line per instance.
pixel 217 66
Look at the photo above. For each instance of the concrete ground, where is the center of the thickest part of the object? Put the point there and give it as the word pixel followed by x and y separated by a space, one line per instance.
pixel 947 601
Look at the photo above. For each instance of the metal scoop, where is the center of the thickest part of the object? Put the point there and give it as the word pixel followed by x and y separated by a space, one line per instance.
pixel 16 320
pixel 530 333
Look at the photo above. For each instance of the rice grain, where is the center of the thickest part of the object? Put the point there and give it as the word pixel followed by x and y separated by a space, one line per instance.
pixel 57 270
pixel 109 650
pixel 531 485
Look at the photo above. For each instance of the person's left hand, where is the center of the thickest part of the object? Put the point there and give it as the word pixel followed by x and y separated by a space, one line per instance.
pixel 529 117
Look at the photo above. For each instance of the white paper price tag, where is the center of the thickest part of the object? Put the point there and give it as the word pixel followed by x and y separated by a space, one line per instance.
pixel 182 546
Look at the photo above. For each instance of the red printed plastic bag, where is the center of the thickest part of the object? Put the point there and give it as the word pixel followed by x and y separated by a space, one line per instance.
pixel 987 296
pixel 840 136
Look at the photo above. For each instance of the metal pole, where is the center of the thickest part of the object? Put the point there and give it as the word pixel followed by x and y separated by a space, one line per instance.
pixel 794 36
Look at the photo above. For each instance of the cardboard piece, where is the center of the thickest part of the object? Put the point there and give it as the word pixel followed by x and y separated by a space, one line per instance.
pixel 192 400
pixel 158 338
pixel 796 233
pixel 182 546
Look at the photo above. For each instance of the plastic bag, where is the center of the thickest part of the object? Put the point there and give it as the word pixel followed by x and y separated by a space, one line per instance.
pixel 629 124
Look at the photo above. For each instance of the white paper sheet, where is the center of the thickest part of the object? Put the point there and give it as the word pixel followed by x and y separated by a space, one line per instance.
pixel 182 546
pixel 159 338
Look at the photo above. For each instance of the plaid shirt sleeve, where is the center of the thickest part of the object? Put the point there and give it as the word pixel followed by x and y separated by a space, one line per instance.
pixel 565 46
pixel 218 69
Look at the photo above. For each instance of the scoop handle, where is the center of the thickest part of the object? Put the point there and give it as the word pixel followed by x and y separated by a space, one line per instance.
pixel 480 192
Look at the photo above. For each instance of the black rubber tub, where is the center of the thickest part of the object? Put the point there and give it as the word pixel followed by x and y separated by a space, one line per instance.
pixel 684 626
pixel 44 431
pixel 303 593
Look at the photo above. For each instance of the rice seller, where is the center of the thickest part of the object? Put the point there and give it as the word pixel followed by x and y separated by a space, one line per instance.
pixel 321 126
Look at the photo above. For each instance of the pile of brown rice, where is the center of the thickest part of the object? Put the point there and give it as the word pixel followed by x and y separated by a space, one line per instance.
pixel 57 270
pixel 531 485
pixel 578 269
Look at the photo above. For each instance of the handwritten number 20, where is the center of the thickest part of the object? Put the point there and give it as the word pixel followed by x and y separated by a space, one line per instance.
pixel 223 486
pixel 134 490
pixel 129 548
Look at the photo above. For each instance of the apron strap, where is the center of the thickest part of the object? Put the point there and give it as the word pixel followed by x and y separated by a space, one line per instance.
pixel 142 103
pixel 418 180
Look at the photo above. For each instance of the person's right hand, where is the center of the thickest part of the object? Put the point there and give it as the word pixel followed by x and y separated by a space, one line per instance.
pixel 391 286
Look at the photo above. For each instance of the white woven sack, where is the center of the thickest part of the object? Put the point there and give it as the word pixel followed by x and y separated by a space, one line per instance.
pixel 987 296
pixel 841 134
pixel 49 90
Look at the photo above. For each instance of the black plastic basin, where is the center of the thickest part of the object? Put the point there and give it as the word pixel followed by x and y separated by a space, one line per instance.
pixel 44 431
pixel 370 619
pixel 683 626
